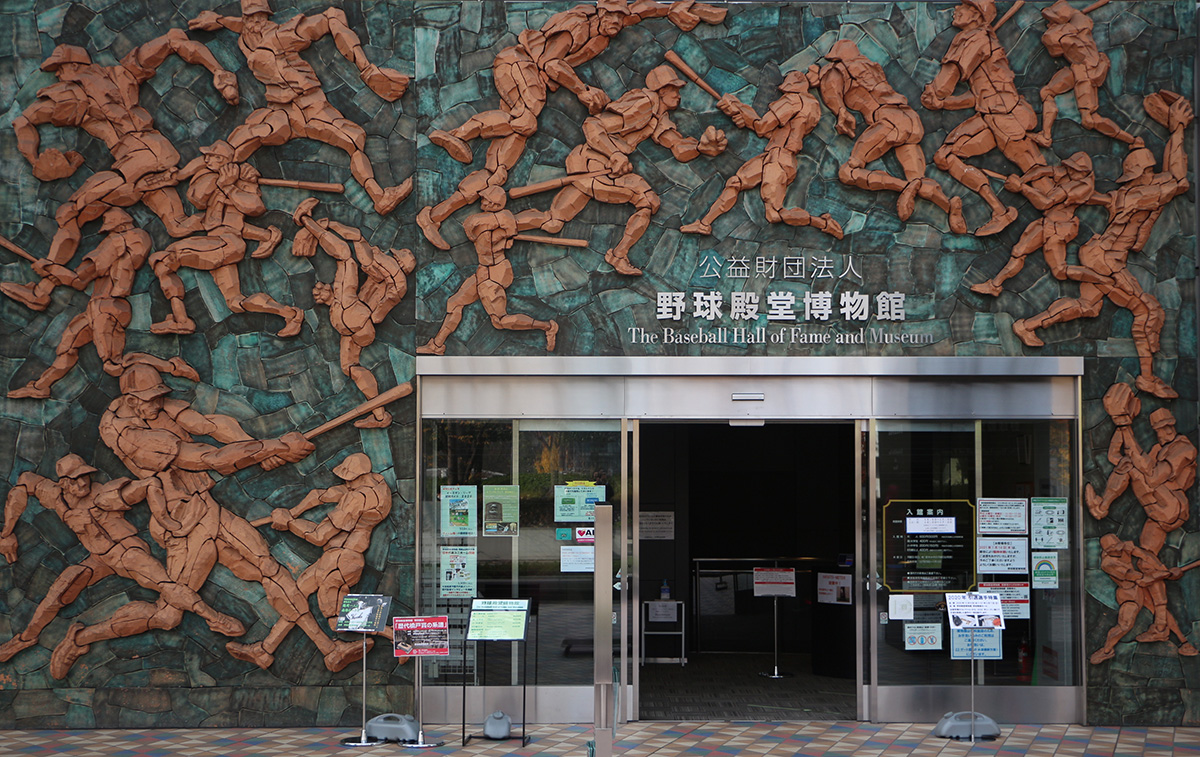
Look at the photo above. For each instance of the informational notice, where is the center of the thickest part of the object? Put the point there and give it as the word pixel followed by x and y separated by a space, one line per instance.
pixel 1048 523
pixel 1014 597
pixel 922 636
pixel 1001 555
pixel 459 508
pixel 929 545
pixel 501 510
pixel 1003 516
pixel 458 572
pixel 573 559
pixel 577 503
pixel 774 582
pixel 974 610
pixel 834 588
pixel 975 644
pixel 427 636
pixel 656 526
pixel 1045 570
pixel 900 607
pixel 662 612
pixel 364 613
pixel 498 620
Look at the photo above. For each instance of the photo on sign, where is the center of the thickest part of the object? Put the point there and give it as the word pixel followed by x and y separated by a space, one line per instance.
pixel 364 613
pixel 501 510
pixel 427 636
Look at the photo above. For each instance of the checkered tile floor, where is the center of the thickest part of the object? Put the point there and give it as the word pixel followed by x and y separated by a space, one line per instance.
pixel 660 739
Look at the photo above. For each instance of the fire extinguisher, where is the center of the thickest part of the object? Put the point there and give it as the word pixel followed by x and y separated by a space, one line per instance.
pixel 1024 660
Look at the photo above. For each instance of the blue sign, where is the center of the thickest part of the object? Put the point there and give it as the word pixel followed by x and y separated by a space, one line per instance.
pixel 987 644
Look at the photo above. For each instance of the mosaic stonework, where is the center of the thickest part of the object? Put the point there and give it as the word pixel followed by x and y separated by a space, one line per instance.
pixel 256 215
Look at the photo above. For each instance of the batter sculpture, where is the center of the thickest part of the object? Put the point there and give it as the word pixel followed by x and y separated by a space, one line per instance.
pixel 543 60
pixel 493 233
pixel 787 121
pixel 111 269
pixel 226 192
pixel 611 137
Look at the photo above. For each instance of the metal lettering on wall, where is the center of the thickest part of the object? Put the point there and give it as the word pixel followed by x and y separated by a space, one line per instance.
pixel 151 150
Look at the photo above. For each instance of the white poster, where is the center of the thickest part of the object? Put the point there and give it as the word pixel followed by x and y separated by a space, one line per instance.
pixel 774 582
pixel 458 572
pixel 834 588
pixel 1014 597
pixel 974 610
pixel 922 636
pixel 1048 523
pixel 1002 516
pixel 663 612
pixel 900 607
pixel 1045 570
pixel 576 559
pixel 999 555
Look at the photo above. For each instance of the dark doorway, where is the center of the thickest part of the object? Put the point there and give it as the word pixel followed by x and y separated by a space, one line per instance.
pixel 780 495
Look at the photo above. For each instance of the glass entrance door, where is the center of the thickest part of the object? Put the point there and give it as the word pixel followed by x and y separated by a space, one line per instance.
pixel 982 506
pixel 507 512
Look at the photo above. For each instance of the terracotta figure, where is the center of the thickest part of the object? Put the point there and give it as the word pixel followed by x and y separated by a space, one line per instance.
pixel 296 103
pixel 787 121
pixel 360 504
pixel 1132 210
pixel 543 60
pixel 103 101
pixel 493 233
pixel 1069 35
pixel 1160 478
pixel 1074 185
pixel 612 136
pixel 153 436
pixel 96 515
pixel 854 82
pixel 1002 116
pixel 110 269
pixel 226 192
pixel 354 310
pixel 1137 588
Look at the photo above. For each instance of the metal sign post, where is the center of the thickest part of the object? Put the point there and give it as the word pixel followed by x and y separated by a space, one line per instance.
pixel 776 583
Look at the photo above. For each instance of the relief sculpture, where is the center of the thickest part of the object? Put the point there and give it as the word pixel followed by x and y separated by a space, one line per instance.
pixel 296 103
pixel 785 124
pixel 103 101
pixel 165 495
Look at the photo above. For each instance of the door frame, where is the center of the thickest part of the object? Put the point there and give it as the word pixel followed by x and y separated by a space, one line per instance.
pixel 739 389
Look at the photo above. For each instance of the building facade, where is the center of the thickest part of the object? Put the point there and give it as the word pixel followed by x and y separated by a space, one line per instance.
pixel 305 300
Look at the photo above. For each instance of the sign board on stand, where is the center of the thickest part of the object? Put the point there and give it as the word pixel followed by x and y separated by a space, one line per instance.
pixel 774 582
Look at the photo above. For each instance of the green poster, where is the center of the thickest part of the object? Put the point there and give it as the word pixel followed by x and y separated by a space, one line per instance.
pixel 577 503
pixel 497 625
pixel 501 510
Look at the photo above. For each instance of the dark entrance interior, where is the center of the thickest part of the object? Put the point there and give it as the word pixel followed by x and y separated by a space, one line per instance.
pixel 780 495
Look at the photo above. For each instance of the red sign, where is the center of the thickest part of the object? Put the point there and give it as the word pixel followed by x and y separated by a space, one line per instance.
pixel 421 636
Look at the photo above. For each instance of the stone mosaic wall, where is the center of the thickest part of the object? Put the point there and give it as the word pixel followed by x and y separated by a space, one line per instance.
pixel 273 385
